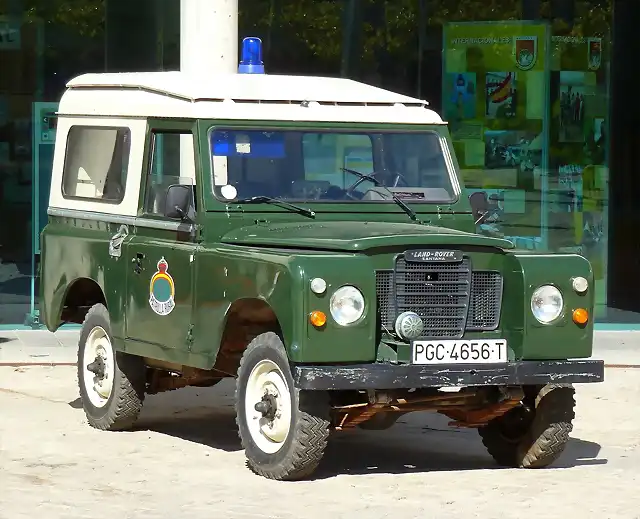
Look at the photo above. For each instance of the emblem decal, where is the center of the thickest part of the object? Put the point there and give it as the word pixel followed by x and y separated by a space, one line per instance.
pixel 594 53
pixel 439 256
pixel 525 50
pixel 162 290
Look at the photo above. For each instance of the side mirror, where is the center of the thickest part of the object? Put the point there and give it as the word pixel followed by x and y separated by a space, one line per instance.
pixel 178 202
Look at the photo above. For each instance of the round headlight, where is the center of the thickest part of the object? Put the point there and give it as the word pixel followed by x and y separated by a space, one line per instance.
pixel 546 304
pixel 346 305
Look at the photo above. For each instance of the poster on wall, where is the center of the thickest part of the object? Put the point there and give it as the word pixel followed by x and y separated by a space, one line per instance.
pixel 579 144
pixel 495 99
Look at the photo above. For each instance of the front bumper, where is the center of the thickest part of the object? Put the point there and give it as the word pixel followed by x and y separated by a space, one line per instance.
pixel 404 376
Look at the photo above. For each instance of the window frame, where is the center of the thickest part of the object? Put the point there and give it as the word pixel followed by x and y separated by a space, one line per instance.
pixel 152 132
pixel 126 160
pixel 443 140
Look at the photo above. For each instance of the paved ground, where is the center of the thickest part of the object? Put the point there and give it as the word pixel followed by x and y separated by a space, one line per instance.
pixel 38 346
pixel 185 460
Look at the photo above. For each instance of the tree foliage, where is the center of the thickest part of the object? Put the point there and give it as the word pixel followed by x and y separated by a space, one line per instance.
pixel 83 17
pixel 314 35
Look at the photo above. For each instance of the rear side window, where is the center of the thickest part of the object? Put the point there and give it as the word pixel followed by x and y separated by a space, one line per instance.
pixel 96 161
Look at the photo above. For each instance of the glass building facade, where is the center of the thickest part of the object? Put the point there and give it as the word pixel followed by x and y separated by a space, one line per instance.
pixel 539 96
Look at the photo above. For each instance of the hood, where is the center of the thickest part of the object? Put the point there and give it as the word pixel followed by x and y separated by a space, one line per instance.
pixel 355 236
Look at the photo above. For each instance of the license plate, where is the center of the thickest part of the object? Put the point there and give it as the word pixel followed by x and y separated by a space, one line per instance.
pixel 459 352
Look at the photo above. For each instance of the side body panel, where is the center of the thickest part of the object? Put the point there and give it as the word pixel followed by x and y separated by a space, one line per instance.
pixel 160 289
pixel 75 241
pixel 280 278
pixel 228 275
pixel 162 255
pixel 562 339
pixel 76 248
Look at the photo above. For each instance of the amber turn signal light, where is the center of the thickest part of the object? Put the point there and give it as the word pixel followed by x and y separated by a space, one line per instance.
pixel 580 316
pixel 318 318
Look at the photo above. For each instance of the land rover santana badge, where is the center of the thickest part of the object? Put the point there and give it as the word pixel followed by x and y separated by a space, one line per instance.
pixel 424 256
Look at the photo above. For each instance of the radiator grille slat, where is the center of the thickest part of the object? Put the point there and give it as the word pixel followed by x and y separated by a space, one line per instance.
pixel 441 289
pixel 384 291
pixel 486 301
pixel 450 298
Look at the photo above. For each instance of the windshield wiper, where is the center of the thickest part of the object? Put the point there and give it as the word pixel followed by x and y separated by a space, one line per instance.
pixel 377 183
pixel 271 200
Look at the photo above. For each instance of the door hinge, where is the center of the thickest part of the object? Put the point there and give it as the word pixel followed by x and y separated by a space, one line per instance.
pixel 190 336
pixel 196 233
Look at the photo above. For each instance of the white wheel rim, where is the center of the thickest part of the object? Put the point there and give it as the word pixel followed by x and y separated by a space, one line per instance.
pixel 98 345
pixel 269 434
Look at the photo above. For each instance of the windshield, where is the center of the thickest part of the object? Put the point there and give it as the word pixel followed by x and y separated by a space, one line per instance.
pixel 331 166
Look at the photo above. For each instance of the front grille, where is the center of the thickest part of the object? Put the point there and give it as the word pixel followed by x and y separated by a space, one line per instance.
pixel 449 297
pixel 486 300
pixel 386 301
pixel 438 293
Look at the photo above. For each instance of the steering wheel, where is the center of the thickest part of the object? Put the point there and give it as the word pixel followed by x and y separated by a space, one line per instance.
pixel 371 177
pixel 399 177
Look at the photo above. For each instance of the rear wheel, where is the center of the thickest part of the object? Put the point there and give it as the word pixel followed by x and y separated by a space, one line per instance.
pixel 111 383
pixel 284 431
pixel 535 434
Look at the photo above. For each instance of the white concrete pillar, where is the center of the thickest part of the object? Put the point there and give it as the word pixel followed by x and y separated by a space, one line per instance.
pixel 209 35
pixel 208 44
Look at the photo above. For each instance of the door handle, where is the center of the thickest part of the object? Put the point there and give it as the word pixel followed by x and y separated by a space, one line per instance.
pixel 115 243
pixel 137 262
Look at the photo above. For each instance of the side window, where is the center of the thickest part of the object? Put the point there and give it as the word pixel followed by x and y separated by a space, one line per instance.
pixel 172 162
pixel 326 153
pixel 96 162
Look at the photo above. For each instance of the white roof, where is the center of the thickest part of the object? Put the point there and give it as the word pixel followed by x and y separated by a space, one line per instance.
pixel 247 87
pixel 239 96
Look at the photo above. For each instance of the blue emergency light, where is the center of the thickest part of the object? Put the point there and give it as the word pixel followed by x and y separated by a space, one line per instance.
pixel 251 58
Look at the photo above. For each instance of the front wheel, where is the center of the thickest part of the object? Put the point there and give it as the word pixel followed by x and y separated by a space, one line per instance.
pixel 535 434
pixel 284 431
pixel 111 383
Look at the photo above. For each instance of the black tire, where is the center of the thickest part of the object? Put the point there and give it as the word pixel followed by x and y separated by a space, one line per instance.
pixel 308 432
pixel 381 421
pixel 533 439
pixel 124 404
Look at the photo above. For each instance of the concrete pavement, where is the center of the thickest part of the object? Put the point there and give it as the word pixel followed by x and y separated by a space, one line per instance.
pixel 184 456
pixel 38 347
pixel 43 347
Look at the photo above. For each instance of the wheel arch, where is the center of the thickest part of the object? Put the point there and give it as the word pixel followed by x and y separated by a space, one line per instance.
pixel 80 295
pixel 245 319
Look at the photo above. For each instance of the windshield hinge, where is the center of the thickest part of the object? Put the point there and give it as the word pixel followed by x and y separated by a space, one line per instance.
pixel 444 210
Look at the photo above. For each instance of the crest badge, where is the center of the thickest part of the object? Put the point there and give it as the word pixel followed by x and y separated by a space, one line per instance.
pixel 525 50
pixel 162 290
pixel 594 53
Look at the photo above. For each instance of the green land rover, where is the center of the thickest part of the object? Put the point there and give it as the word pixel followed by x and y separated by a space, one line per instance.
pixel 309 237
